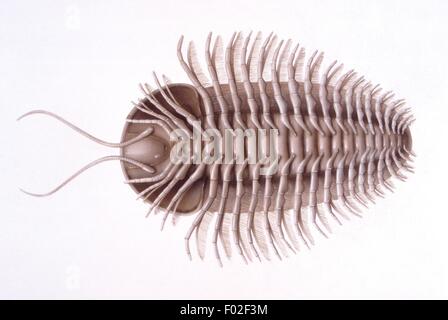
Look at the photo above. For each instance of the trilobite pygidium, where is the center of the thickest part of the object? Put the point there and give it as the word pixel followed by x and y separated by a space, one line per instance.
pixel 265 150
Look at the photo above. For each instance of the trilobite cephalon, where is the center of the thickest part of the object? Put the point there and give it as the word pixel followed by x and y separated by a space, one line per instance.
pixel 264 149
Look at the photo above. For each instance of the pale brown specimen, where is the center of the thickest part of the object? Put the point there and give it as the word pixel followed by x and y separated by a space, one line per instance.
pixel 278 146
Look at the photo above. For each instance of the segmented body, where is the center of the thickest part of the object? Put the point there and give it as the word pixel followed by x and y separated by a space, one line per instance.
pixel 340 141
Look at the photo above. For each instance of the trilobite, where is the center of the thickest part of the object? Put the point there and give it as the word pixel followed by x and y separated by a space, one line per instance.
pixel 266 149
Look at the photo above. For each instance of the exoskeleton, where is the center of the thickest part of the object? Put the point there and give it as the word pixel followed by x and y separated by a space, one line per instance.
pixel 265 148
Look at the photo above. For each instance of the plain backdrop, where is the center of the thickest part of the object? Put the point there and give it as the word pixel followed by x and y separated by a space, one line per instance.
pixel 84 60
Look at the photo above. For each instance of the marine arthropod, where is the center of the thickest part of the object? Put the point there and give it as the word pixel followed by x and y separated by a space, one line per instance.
pixel 265 150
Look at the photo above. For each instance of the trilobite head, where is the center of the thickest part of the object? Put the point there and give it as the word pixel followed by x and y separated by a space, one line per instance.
pixel 156 150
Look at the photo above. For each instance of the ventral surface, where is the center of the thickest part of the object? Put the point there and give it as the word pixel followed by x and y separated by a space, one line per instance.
pixel 267 146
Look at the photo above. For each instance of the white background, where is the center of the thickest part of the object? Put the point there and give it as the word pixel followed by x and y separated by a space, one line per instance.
pixel 84 59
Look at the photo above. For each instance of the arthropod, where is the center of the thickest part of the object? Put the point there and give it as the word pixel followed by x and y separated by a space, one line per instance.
pixel 266 148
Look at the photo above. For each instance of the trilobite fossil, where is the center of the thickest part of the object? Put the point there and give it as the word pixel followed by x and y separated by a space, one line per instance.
pixel 267 148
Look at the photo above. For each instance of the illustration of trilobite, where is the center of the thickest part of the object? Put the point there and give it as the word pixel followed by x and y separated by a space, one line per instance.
pixel 265 151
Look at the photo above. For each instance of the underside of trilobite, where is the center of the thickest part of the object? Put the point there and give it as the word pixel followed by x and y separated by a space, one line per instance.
pixel 267 147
